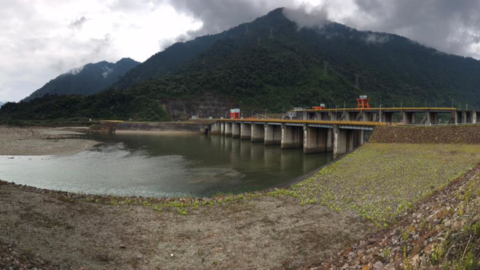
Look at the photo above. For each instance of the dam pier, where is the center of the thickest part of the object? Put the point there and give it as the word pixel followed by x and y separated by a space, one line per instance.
pixel 312 136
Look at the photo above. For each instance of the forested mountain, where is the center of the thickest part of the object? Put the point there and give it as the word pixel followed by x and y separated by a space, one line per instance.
pixel 273 64
pixel 1 103
pixel 87 80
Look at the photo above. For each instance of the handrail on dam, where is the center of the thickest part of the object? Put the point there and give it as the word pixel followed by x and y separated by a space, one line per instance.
pixel 446 109
pixel 111 121
pixel 322 122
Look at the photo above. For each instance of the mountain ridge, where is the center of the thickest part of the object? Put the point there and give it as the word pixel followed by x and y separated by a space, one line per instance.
pixel 86 80
pixel 388 67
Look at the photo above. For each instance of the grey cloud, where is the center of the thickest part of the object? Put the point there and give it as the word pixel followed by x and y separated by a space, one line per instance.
pixel 220 15
pixel 77 24
pixel 376 38
pixel 316 18
pixel 450 26
pixel 106 71
pixel 97 49
pixel 133 5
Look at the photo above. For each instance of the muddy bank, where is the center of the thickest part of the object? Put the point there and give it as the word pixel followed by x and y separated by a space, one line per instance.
pixel 157 127
pixel 42 141
pixel 60 231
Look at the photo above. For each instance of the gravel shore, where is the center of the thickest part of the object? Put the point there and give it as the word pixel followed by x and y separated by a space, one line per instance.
pixel 42 141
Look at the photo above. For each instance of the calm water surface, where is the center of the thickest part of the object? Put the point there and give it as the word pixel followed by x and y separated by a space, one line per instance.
pixel 161 165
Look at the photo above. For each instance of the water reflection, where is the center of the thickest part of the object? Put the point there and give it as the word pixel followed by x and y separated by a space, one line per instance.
pixel 160 165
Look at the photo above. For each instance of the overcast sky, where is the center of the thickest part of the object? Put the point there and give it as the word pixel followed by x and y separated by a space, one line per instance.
pixel 40 39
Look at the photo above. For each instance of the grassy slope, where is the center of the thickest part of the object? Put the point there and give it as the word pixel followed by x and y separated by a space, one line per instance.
pixel 380 181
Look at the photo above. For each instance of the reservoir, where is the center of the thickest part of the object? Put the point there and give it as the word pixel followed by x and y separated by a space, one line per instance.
pixel 164 165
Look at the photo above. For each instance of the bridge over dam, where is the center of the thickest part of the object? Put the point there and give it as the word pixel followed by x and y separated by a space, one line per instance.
pixel 404 115
pixel 313 136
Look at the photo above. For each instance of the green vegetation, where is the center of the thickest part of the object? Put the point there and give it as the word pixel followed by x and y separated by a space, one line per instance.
pixel 461 247
pixel 381 181
pixel 111 104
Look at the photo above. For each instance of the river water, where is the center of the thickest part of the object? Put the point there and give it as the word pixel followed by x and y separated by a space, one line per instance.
pixel 164 165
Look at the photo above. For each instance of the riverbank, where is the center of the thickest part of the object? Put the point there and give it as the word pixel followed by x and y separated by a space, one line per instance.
pixel 440 232
pixel 42 141
pixel 191 126
pixel 305 225
pixel 262 232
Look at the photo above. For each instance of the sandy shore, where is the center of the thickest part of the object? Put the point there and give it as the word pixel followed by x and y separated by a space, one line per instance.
pixel 159 132
pixel 42 141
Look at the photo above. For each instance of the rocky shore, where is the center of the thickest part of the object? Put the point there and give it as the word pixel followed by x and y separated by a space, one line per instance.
pixel 440 232
pixel 59 230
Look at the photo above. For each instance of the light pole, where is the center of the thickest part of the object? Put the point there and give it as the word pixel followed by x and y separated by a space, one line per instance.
pixel 266 113
pixel 380 113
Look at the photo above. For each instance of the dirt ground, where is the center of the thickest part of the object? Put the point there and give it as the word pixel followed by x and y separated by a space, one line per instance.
pixel 262 233
pixel 41 141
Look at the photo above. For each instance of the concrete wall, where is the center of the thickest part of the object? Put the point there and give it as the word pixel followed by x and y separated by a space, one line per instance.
pixel 228 128
pixel 222 128
pixel 315 140
pixel 346 140
pixel 215 128
pixel 258 133
pixel 408 117
pixel 236 130
pixel 292 136
pixel 245 131
pixel 273 134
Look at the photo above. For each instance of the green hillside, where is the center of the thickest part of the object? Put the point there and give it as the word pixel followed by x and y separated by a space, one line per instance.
pixel 270 63
pixel 109 104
